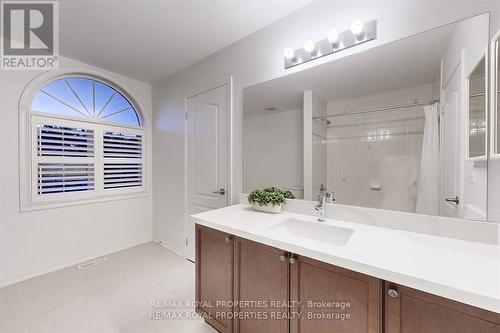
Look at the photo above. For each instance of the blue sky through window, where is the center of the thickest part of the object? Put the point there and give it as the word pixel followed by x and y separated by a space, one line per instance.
pixel 85 98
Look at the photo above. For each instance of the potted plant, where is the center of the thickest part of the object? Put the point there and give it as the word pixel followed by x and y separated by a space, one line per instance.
pixel 269 199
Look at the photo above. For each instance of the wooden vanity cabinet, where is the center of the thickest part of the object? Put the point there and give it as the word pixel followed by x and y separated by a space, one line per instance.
pixel 355 299
pixel 268 279
pixel 214 277
pixel 261 277
pixel 411 311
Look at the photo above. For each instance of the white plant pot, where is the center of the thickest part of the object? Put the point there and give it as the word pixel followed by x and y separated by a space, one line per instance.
pixel 267 208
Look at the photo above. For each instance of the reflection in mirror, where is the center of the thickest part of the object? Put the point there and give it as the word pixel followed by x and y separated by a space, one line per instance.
pixel 477 111
pixel 381 128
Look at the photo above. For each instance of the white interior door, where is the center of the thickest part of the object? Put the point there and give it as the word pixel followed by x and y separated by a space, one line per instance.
pixel 451 144
pixel 207 156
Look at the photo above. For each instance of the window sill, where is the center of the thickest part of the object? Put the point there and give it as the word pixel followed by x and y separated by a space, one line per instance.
pixel 79 202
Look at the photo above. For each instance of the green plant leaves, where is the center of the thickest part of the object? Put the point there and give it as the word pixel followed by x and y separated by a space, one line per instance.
pixel 269 196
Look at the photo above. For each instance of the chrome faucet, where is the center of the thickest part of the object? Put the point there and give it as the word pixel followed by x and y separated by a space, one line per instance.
pixel 323 199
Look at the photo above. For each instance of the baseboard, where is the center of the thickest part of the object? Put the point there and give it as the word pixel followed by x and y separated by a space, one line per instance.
pixel 65 264
pixel 169 247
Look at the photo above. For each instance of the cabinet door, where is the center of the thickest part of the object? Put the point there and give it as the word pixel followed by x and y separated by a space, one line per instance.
pixel 412 311
pixel 261 280
pixel 355 300
pixel 214 277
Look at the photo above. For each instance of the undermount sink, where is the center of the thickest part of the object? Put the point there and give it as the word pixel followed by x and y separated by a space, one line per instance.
pixel 315 231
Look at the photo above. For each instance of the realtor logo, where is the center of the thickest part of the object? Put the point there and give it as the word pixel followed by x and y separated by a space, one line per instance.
pixel 30 39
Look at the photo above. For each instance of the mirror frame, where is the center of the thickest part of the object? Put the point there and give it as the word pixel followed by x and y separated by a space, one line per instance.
pixel 494 87
pixel 484 55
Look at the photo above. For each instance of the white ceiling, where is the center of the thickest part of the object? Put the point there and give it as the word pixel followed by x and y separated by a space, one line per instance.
pixel 401 64
pixel 150 39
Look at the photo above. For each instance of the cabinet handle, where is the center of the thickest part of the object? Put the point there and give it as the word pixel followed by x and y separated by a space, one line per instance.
pixel 282 258
pixel 227 238
pixel 393 293
pixel 292 261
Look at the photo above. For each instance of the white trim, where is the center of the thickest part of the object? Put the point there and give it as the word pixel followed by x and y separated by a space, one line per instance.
pixel 82 120
pixel 79 202
pixel 184 169
pixel 484 55
pixel 494 63
pixel 459 178
pixel 67 263
pixel 168 246
pixel 307 115
pixel 26 202
pixel 230 141
pixel 495 157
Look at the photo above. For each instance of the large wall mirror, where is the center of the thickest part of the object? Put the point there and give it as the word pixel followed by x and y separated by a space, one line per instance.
pixel 400 126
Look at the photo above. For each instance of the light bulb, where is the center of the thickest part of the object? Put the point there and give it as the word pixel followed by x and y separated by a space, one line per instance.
pixel 289 54
pixel 358 30
pixel 333 37
pixel 310 47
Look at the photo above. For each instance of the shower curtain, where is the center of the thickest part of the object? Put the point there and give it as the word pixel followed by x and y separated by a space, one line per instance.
pixel 428 179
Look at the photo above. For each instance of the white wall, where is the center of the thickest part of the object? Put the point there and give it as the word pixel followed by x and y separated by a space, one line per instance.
pixel 273 150
pixel 257 58
pixel 40 241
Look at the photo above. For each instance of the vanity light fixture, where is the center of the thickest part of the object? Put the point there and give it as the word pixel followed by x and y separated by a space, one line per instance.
pixel 358 30
pixel 333 38
pixel 335 41
pixel 289 54
pixel 310 47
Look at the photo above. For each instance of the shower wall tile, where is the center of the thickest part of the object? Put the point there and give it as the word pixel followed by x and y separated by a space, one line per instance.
pixel 377 146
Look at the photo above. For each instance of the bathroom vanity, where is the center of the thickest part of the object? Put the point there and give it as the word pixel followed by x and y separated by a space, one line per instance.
pixel 300 275
pixel 393 131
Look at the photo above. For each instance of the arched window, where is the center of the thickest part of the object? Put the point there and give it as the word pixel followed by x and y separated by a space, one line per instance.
pixel 85 142
pixel 85 98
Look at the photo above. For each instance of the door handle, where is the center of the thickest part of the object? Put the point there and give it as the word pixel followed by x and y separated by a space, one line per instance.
pixel 221 191
pixel 456 200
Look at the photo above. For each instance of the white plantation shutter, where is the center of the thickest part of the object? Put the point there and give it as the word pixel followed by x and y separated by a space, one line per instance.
pixel 57 140
pixel 122 145
pixel 63 159
pixel 123 159
pixel 120 175
pixel 65 177
pixel 79 160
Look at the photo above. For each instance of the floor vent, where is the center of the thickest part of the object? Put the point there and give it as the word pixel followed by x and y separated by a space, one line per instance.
pixel 92 263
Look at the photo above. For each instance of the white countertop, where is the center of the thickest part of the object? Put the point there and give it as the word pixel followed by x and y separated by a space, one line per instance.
pixel 464 271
